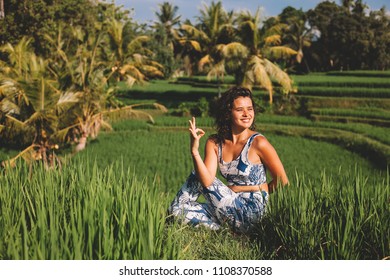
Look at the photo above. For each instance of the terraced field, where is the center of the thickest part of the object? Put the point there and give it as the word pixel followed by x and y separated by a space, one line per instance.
pixel 349 109
pixel 110 201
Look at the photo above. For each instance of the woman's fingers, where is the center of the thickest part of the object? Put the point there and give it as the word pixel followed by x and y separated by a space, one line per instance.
pixel 201 132
pixel 193 123
pixel 197 133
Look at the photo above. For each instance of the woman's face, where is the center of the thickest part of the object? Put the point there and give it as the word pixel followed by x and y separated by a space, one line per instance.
pixel 242 113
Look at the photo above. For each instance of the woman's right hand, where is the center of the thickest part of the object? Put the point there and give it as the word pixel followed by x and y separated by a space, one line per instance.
pixel 195 135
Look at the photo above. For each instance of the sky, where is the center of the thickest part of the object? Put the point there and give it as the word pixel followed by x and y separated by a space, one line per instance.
pixel 144 10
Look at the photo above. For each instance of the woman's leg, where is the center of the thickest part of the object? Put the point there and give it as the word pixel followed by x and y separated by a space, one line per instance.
pixel 239 210
pixel 186 208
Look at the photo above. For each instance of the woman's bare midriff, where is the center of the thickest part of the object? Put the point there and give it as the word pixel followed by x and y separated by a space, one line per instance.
pixel 256 188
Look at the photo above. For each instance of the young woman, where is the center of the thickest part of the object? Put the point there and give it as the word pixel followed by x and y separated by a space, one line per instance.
pixel 242 155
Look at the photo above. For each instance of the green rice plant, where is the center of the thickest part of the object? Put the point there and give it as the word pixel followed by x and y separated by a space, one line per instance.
pixel 162 153
pixel 111 201
pixel 169 121
pixel 350 119
pixel 82 212
pixel 361 73
pixel 344 91
pixel 373 132
pixel 357 112
pixel 172 94
pixel 345 216
pixel 340 81
pixel 377 152
pixel 344 102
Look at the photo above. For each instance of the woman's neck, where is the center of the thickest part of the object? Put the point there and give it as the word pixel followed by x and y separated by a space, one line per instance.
pixel 240 135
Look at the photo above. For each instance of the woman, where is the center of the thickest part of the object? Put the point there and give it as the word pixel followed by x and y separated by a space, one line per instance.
pixel 242 155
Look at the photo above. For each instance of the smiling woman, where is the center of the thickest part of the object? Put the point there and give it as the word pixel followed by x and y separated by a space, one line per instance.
pixel 242 156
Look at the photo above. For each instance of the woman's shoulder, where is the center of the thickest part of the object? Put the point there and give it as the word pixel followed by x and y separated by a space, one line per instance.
pixel 259 140
pixel 257 135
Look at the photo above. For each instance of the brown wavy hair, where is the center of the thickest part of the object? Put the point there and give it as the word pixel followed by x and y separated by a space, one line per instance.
pixel 223 112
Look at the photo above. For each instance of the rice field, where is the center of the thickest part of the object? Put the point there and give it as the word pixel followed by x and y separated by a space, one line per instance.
pixel 82 212
pixel 110 201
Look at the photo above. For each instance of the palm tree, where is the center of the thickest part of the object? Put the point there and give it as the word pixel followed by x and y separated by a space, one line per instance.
pixel 212 37
pixel 168 20
pixel 86 73
pixel 259 70
pixel 31 101
pixel 297 33
pixel 131 61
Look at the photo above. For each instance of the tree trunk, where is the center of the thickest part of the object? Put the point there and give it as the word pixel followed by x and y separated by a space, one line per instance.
pixel 2 13
pixel 81 145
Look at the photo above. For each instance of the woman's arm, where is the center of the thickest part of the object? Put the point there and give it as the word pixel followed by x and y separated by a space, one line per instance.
pixel 270 159
pixel 207 169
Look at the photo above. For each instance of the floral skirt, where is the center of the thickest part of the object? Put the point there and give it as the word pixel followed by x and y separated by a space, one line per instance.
pixel 241 211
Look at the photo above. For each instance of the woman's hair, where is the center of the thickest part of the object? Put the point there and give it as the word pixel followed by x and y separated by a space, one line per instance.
pixel 223 113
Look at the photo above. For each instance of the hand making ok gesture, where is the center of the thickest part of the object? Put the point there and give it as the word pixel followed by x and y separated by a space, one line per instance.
pixel 195 135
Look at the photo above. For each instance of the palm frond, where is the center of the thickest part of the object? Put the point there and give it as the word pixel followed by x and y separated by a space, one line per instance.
pixel 206 60
pixel 217 71
pixel 277 29
pixel 279 76
pixel 281 52
pixel 273 40
pixel 8 107
pixel 256 74
pixel 136 43
pixel 132 71
pixel 195 33
pixel 60 135
pixel 8 87
pixel 152 71
pixel 106 125
pixel 234 50
pixel 27 154
pixel 15 121
pixel 69 97
pixel 130 80
pixel 194 44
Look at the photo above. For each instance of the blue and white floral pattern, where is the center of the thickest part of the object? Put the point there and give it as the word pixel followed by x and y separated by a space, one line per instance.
pixel 239 210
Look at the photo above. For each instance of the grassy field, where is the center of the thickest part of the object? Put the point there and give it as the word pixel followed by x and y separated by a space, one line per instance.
pixel 110 201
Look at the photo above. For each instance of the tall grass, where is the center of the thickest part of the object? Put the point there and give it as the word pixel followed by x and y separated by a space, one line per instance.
pixel 92 213
pixel 97 208
pixel 340 216
pixel 82 212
